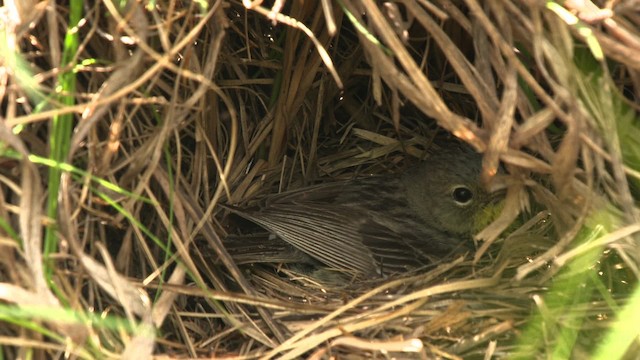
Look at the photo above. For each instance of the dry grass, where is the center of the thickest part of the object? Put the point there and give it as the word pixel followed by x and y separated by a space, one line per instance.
pixel 122 133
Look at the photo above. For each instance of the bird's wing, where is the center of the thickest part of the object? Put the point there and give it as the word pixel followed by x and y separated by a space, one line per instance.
pixel 328 233
pixel 402 244
pixel 346 239
pixel 349 226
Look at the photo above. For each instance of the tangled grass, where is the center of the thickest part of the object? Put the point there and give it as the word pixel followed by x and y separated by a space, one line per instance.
pixel 125 125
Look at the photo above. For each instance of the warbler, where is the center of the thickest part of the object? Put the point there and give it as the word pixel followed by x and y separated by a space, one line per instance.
pixel 381 225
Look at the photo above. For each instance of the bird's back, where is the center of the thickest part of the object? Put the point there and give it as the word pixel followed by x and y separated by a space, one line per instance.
pixel 363 226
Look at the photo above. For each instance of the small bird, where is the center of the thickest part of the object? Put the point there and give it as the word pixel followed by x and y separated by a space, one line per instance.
pixel 378 226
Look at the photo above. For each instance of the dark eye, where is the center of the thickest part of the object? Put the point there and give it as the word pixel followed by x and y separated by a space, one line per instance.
pixel 462 195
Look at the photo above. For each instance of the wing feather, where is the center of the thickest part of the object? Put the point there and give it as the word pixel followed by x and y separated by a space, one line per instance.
pixel 321 231
pixel 349 226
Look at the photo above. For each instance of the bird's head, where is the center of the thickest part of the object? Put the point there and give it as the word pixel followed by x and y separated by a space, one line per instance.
pixel 445 191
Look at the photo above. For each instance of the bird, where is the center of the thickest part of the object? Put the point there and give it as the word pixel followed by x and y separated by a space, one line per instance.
pixel 381 225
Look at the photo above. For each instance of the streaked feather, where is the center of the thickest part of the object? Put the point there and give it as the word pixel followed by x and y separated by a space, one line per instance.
pixel 349 227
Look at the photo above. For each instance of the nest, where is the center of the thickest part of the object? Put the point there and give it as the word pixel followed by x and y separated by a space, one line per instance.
pixel 126 126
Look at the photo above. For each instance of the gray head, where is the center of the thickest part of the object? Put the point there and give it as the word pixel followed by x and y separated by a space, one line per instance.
pixel 445 190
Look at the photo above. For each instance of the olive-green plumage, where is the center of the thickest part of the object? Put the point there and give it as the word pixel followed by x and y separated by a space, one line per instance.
pixel 386 224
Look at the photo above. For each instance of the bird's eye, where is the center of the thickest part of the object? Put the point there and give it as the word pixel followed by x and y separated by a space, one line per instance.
pixel 462 195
